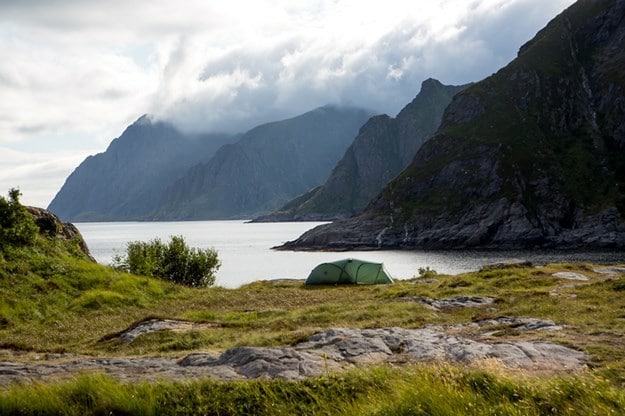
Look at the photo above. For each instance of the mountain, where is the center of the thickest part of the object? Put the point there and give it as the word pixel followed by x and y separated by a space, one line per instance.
pixel 383 148
pixel 532 156
pixel 127 180
pixel 268 166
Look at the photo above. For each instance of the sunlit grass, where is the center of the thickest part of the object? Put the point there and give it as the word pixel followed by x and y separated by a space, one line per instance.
pixel 411 390
pixel 70 304
pixel 55 301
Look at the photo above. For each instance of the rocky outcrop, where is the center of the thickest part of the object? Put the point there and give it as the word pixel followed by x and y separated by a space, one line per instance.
pixel 570 276
pixel 612 270
pixel 265 168
pixel 151 325
pixel 531 157
pixel 51 226
pixel 450 303
pixel 325 352
pixel 383 148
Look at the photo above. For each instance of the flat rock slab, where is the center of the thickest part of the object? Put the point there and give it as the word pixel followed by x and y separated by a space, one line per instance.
pixel 151 325
pixel 122 368
pixel 570 276
pixel 450 303
pixel 610 270
pixel 519 324
pixel 435 344
pixel 255 362
pixel 332 350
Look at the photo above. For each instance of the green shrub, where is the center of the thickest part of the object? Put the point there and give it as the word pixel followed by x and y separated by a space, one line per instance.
pixel 175 261
pixel 427 273
pixel 17 226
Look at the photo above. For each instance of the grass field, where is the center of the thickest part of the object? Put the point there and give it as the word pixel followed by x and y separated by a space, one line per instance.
pixel 51 300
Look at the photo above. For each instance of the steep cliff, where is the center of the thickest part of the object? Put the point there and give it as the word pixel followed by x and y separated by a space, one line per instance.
pixel 533 156
pixel 269 165
pixel 127 180
pixel 383 148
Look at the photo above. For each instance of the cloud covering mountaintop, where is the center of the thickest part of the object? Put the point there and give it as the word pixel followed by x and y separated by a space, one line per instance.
pixel 80 71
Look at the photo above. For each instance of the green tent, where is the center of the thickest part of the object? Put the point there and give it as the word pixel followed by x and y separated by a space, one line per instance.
pixel 349 271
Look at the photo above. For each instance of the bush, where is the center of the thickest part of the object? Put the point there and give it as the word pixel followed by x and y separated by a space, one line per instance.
pixel 175 261
pixel 17 226
pixel 427 273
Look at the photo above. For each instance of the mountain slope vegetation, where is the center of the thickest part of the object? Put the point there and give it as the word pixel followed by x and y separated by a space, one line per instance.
pixel 532 156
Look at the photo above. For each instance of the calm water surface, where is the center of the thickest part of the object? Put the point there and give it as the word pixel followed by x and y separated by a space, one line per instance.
pixel 245 250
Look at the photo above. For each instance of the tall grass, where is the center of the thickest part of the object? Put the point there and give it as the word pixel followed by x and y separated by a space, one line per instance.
pixel 418 390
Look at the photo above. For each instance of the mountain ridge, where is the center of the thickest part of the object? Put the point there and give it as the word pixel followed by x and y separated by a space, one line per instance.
pixel 383 147
pixel 266 167
pixel 125 181
pixel 148 166
pixel 532 156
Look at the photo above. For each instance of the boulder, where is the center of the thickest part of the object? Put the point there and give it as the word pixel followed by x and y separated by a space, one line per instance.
pixel 52 226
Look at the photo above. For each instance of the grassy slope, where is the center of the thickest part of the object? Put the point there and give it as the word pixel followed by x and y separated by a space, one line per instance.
pixel 52 301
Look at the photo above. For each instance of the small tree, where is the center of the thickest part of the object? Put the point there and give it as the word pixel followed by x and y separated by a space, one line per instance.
pixel 174 261
pixel 17 226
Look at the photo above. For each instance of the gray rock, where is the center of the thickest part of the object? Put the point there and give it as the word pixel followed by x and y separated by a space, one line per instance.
pixel 285 362
pixel 520 324
pixel 330 350
pixel 570 276
pixel 610 270
pixel 538 355
pixel 434 343
pixel 556 291
pixel 351 345
pixel 466 108
pixel 450 303
pixel 50 225
pixel 154 325
pixel 255 362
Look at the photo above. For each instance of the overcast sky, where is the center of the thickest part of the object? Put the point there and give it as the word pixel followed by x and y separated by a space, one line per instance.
pixel 75 73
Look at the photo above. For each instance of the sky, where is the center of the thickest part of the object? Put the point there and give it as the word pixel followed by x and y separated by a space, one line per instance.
pixel 76 73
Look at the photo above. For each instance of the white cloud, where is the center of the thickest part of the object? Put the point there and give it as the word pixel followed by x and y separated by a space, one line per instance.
pixel 73 90
pixel 77 72
pixel 36 173
pixel 342 52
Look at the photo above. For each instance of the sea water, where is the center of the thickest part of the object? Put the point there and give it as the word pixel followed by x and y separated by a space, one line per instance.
pixel 245 252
